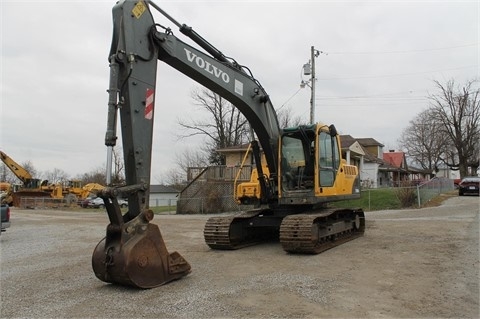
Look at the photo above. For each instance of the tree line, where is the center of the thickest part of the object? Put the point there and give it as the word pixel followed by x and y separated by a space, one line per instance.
pixel 57 175
pixel 447 132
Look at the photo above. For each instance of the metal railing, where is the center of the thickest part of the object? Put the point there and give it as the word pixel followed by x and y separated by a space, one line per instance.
pixel 220 173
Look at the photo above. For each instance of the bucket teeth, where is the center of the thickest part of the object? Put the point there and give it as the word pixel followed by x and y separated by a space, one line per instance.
pixel 138 257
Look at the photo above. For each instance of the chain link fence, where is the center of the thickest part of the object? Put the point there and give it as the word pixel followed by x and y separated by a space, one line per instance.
pixel 209 198
pixel 409 194
pixel 159 202
pixel 432 188
pixel 208 205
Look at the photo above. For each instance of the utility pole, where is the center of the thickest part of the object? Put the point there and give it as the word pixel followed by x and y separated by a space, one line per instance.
pixel 309 69
pixel 312 98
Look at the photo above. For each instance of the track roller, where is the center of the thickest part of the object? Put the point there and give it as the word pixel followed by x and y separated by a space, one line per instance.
pixel 316 232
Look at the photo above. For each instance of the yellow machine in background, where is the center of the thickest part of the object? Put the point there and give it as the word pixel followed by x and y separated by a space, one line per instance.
pixel 70 191
pixel 6 193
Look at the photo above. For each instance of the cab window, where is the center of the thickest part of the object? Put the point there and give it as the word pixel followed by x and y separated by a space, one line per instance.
pixel 328 158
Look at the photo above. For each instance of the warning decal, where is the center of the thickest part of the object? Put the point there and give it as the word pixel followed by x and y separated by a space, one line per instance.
pixel 149 104
pixel 139 9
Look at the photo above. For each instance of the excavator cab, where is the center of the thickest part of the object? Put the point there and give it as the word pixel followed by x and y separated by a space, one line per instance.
pixel 311 169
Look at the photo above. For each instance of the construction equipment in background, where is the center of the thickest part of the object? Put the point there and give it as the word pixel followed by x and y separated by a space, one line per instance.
pixel 6 193
pixel 305 168
pixel 70 191
pixel 32 187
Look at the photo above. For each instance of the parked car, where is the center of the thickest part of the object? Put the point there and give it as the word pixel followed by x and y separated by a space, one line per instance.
pixel 5 220
pixel 84 202
pixel 99 203
pixel 469 185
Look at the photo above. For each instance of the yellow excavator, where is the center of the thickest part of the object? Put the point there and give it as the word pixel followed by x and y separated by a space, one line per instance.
pixel 303 169
pixel 6 193
pixel 32 187
pixel 71 191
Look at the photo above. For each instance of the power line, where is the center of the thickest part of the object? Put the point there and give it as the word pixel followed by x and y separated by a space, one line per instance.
pixel 289 99
pixel 407 51
pixel 388 99
pixel 394 75
pixel 391 95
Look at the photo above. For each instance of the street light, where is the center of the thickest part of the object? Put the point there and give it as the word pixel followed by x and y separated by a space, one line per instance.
pixel 309 69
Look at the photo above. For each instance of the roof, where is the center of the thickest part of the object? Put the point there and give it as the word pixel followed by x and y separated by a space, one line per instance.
pixel 162 189
pixel 347 140
pixel 394 158
pixel 235 149
pixel 368 141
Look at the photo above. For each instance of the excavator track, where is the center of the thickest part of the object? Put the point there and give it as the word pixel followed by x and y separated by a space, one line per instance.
pixel 317 232
pixel 232 232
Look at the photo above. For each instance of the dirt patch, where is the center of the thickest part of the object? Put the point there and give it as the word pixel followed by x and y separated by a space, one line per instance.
pixel 419 263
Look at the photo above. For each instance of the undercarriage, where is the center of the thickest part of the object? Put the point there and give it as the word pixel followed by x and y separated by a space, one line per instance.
pixel 305 233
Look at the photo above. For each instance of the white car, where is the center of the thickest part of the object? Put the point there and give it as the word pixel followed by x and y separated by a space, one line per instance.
pixel 99 203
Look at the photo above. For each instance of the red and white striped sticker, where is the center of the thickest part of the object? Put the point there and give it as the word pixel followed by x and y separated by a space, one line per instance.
pixel 149 104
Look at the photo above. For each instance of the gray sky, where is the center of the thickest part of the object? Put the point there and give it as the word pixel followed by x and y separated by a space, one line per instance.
pixel 380 62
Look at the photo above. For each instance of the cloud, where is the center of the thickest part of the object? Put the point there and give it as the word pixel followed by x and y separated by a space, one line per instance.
pixel 382 58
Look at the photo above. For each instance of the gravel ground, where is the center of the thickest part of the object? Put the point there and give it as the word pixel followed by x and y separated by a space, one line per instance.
pixel 410 263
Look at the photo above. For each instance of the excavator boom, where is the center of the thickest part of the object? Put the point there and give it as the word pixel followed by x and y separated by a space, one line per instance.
pixel 16 168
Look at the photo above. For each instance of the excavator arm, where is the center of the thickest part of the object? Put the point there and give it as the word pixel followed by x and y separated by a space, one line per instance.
pixel 136 47
pixel 16 169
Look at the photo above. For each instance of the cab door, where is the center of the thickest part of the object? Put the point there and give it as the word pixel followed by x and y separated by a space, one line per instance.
pixel 328 159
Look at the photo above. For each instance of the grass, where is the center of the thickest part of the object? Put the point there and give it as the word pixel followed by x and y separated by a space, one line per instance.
pixel 375 199
pixel 383 199
pixel 438 200
pixel 163 209
pixel 372 200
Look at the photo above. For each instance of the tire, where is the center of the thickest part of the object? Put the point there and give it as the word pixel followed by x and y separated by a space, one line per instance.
pixel 70 199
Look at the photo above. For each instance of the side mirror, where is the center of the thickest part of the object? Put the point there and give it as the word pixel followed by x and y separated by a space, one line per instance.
pixel 333 130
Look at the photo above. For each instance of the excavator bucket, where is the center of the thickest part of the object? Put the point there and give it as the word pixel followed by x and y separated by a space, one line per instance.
pixel 135 254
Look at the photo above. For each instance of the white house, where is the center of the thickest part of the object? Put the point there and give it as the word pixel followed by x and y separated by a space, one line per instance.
pixel 161 195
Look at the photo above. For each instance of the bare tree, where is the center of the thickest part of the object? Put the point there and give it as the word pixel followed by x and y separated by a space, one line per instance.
pixel 458 109
pixel 56 176
pixel 30 168
pixel 118 174
pixel 191 158
pixel 225 127
pixel 287 119
pixel 425 141
pixel 186 161
pixel 97 175
pixel 7 175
